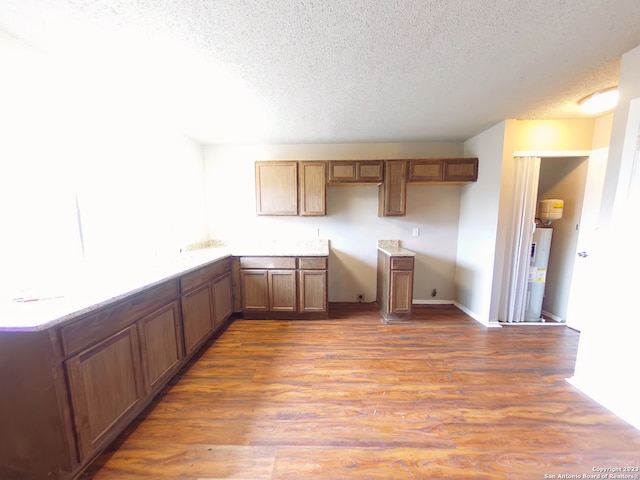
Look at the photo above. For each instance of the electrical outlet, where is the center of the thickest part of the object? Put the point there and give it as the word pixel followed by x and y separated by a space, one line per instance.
pixel 434 292
pixel 360 297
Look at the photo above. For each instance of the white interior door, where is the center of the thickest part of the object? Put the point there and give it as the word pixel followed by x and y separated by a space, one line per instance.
pixel 585 281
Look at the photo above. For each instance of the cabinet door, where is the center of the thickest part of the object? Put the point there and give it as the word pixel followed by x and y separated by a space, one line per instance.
pixel 222 299
pixel 282 290
pixel 106 389
pixel 160 345
pixel 401 291
pixel 370 171
pixel 428 170
pixel 342 171
pixel 197 317
pixel 277 188
pixel 313 188
pixel 461 170
pixel 255 290
pixel 393 191
pixel 312 292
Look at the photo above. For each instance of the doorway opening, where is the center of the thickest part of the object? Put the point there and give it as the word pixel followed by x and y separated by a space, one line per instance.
pixel 578 180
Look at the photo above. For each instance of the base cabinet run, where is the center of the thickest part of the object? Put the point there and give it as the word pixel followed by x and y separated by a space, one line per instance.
pixel 70 390
pixel 284 287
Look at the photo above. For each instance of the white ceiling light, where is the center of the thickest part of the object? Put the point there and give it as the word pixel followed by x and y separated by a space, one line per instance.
pixel 599 102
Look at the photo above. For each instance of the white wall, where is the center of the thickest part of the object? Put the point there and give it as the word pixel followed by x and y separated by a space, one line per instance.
pixel 478 227
pixel 607 361
pixel 352 223
pixel 139 182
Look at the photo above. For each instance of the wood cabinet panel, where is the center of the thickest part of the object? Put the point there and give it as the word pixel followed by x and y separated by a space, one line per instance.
pixel 454 171
pixel 395 285
pixel 460 170
pixel 290 292
pixel 426 170
pixel 312 294
pixel 313 188
pixel 276 188
pixel 37 440
pixel 79 335
pixel 393 191
pixel 205 274
pixel 106 388
pixel 197 317
pixel 355 171
pixel 401 263
pixel 267 262
pixel 282 291
pixel 340 171
pixel 370 171
pixel 312 263
pixel 255 290
pixel 161 348
pixel 401 292
pixel 222 299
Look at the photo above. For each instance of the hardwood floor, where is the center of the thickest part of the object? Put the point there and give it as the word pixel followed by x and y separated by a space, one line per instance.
pixel 351 397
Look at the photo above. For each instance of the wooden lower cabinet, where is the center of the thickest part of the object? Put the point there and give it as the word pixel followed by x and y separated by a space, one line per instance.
pixel 161 348
pixel 268 290
pixel 70 390
pixel 395 285
pixel 285 287
pixel 197 317
pixel 282 291
pixel 400 292
pixel 106 387
pixel 312 292
pixel 222 299
pixel 255 290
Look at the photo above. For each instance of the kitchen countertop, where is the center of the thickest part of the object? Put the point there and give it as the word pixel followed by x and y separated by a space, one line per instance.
pixel 94 286
pixel 393 249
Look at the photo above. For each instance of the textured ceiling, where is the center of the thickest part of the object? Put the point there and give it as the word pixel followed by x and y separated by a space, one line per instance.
pixel 285 71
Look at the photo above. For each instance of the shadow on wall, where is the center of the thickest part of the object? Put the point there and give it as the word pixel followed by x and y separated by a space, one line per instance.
pixel 433 273
pixel 350 276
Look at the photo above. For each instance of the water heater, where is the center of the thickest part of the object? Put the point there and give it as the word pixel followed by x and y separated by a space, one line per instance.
pixel 550 209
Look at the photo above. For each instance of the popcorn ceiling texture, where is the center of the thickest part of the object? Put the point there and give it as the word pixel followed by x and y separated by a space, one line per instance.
pixel 311 71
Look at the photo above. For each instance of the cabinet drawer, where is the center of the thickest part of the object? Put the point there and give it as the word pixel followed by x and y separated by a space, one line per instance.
pixel 401 263
pixel 268 262
pixel 109 320
pixel 203 275
pixel 312 263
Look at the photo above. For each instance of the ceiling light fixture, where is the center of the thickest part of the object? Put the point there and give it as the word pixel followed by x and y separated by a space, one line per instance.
pixel 599 102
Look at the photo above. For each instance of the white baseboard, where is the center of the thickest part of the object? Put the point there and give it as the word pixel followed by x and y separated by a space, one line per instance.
pixel 476 318
pixel 551 316
pixel 432 302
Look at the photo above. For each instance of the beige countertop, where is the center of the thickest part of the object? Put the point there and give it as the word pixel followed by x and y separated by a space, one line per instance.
pixel 95 286
pixel 393 249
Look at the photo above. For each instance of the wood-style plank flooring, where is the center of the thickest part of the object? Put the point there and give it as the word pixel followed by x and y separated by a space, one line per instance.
pixel 350 397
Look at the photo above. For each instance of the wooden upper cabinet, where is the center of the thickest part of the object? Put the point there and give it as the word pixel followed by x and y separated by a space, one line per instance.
pixel 291 188
pixel 443 170
pixel 277 188
pixel 355 171
pixel 460 170
pixel 312 188
pixel 425 170
pixel 393 191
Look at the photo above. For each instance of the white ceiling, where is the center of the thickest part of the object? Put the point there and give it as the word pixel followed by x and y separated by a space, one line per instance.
pixel 330 71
